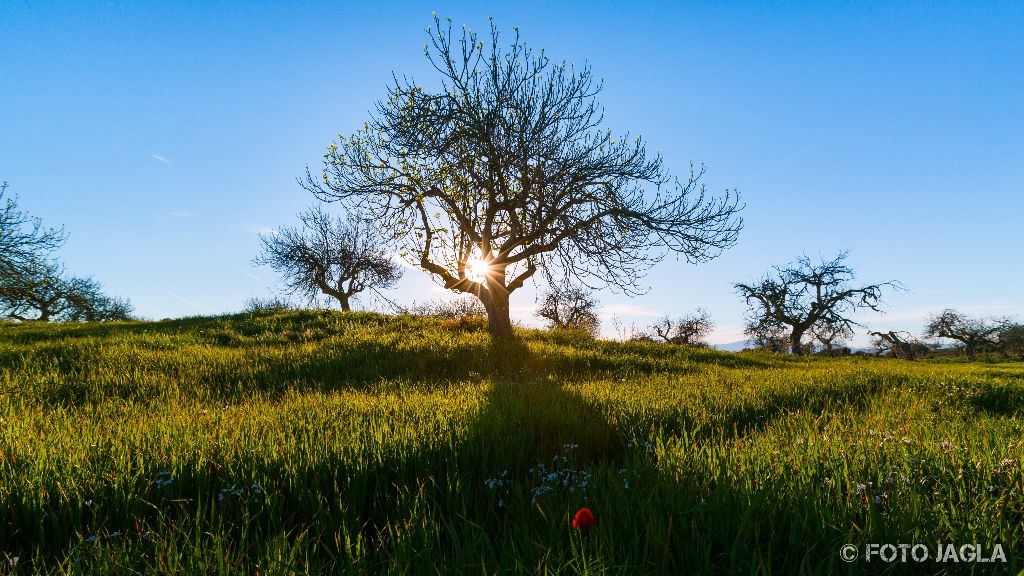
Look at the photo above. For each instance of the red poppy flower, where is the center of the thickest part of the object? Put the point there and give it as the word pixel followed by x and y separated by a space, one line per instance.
pixel 583 519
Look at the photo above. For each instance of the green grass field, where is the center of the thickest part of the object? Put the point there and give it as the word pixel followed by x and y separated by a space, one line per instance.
pixel 314 442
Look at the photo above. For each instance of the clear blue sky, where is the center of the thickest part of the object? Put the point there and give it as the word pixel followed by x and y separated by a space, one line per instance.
pixel 164 136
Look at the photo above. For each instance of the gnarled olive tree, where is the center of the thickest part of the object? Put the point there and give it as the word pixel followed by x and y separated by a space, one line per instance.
pixel 975 334
pixel 805 297
pixel 898 344
pixel 502 168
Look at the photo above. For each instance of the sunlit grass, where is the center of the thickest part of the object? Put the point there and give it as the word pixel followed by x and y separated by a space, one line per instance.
pixel 313 442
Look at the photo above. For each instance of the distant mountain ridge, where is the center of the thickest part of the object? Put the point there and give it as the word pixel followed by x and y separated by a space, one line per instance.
pixel 734 346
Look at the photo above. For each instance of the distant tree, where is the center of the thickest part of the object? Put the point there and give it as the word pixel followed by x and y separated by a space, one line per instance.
pixel 42 292
pixel 804 295
pixel 503 170
pixel 975 334
pixel 88 303
pixel 898 344
pixel 688 329
pixel 339 257
pixel 570 308
pixel 24 241
pixel 271 304
pixel 1011 340
pixel 830 336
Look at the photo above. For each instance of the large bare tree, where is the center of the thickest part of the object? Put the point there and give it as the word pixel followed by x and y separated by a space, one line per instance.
pixel 502 167
pixel 974 333
pixel 803 295
pixel 337 256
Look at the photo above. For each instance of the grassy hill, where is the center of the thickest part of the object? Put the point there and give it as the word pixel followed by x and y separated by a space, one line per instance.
pixel 312 442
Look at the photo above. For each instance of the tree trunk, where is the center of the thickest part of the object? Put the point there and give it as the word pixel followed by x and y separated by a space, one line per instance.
pixel 971 348
pixel 338 292
pixel 498 322
pixel 794 343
